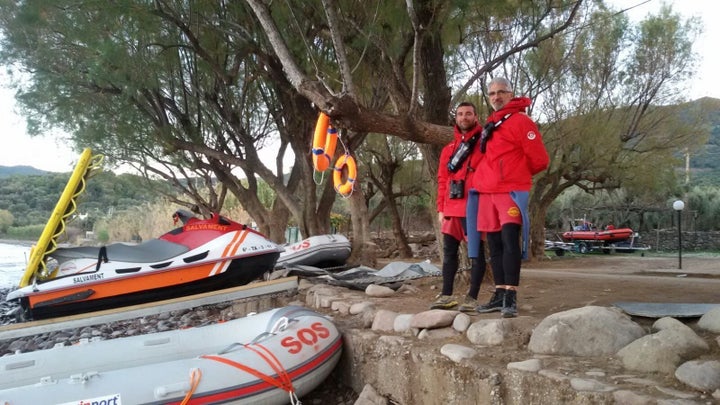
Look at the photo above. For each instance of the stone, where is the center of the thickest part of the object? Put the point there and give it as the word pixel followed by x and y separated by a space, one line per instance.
pixel 457 353
pixel 586 331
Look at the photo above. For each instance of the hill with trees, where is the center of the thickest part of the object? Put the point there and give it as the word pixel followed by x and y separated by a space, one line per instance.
pixel 28 200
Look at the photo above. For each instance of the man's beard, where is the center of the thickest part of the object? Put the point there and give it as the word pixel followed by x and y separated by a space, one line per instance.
pixel 467 127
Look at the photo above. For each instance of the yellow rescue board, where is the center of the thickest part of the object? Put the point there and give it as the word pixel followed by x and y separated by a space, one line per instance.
pixel 66 205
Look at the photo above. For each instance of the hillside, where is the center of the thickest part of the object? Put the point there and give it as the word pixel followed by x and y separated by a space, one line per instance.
pixel 31 198
pixel 7 171
pixel 705 164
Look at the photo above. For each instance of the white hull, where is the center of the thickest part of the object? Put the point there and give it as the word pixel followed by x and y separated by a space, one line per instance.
pixel 122 275
pixel 316 250
pixel 288 344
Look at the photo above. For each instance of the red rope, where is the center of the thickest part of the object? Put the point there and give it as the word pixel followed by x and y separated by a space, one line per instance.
pixel 273 361
pixel 195 377
pixel 283 381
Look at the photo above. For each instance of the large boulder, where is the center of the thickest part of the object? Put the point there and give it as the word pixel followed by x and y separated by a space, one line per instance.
pixel 586 331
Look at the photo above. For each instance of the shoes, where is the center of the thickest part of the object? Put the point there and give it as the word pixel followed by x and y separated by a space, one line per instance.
pixel 469 304
pixel 509 309
pixel 495 303
pixel 444 302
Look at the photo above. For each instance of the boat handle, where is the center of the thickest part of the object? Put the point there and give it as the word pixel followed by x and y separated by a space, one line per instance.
pixel 169 389
pixel 20 364
pixel 280 325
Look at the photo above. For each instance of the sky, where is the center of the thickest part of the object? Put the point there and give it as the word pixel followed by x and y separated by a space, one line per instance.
pixel 52 154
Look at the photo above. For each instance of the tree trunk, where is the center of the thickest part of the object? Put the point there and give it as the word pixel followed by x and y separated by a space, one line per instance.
pixel 364 252
pixel 401 240
pixel 432 157
pixel 278 222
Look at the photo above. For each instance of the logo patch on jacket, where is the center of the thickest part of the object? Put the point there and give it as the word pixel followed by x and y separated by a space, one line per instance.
pixel 513 211
pixel 531 135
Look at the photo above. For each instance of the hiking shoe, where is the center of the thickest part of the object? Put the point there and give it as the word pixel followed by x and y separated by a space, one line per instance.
pixel 469 304
pixel 495 303
pixel 509 309
pixel 444 302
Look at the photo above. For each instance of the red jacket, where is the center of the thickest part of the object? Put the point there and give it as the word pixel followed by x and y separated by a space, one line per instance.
pixel 514 152
pixel 456 207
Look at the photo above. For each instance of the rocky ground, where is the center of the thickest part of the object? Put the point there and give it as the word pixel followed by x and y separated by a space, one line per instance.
pixel 550 286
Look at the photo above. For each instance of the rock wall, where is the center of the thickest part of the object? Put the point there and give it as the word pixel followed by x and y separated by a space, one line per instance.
pixel 413 373
pixel 667 240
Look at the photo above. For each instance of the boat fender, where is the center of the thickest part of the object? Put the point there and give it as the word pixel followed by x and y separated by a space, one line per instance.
pixel 345 187
pixel 324 143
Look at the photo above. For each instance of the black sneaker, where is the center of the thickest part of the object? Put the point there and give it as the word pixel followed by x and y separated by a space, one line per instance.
pixel 509 309
pixel 495 303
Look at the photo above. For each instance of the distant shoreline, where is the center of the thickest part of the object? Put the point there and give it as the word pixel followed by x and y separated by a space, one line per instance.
pixel 18 242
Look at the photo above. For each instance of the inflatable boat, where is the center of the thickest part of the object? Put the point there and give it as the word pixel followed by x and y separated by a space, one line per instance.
pixel 605 235
pixel 318 251
pixel 273 357
pixel 200 256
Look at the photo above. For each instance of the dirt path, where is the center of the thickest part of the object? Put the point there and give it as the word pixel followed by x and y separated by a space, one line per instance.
pixel 562 283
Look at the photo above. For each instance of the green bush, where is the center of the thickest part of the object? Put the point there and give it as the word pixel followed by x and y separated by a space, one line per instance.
pixel 103 236
pixel 27 232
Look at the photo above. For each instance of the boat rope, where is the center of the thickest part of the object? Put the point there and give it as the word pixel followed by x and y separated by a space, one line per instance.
pixel 195 376
pixel 282 381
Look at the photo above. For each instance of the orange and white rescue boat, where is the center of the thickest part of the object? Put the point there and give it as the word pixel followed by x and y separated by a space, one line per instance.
pixel 202 255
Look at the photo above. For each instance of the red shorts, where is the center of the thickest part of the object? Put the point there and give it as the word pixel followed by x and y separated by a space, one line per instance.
pixel 495 210
pixel 454 226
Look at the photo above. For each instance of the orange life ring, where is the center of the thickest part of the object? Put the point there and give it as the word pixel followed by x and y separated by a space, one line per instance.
pixel 345 188
pixel 324 143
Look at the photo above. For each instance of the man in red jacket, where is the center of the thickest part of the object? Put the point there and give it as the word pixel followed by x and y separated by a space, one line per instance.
pixel 458 160
pixel 512 153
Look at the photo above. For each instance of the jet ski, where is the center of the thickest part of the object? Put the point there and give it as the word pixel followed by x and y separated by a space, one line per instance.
pixel 199 256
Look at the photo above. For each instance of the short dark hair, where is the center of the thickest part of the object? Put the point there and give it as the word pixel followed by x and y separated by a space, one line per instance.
pixel 467 104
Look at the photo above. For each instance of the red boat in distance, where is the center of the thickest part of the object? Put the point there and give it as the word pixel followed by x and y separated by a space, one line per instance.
pixel 586 231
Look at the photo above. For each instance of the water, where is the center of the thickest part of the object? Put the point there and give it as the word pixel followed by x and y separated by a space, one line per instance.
pixel 13 259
